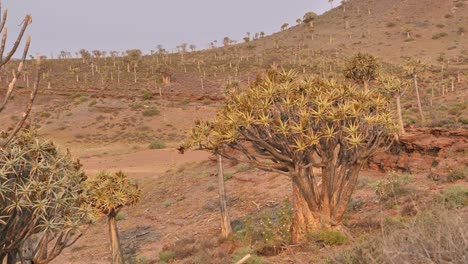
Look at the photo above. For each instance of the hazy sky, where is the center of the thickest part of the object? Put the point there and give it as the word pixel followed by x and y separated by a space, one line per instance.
pixel 120 25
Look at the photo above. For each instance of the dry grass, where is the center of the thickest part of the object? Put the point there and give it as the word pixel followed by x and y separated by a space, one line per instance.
pixel 434 236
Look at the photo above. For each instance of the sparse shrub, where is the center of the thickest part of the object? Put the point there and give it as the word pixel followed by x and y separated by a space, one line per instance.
pixel 45 114
pixel 167 203
pixel 390 24
pixel 228 175
pixel 459 4
pixel 147 95
pixel 328 237
pixel 136 105
pixel 454 197
pixel 392 186
pixel 92 103
pixel 141 260
pixel 268 230
pixel 166 256
pixel 152 111
pixel 355 204
pixel 157 144
pixel 461 29
pixel 120 217
pixel 99 118
pixel 439 35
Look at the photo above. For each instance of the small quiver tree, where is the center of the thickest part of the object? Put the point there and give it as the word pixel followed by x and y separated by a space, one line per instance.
pixel 40 199
pixel 362 68
pixel 309 18
pixel 396 88
pixel 412 69
pixel 317 132
pixel 108 193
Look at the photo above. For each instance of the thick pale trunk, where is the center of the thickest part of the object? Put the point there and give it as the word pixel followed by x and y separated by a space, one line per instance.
pixel 315 210
pixel 304 220
pixel 226 229
pixel 421 115
pixel 117 255
pixel 400 116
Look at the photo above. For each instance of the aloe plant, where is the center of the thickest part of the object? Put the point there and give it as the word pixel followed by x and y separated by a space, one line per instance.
pixel 362 68
pixel 317 132
pixel 40 195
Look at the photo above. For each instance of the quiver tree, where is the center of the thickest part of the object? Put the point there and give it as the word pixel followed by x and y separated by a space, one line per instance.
pixel 40 198
pixel 394 87
pixel 85 55
pixel 362 68
pixel 412 69
pixel 309 18
pixel 133 58
pixel 316 132
pixel 108 193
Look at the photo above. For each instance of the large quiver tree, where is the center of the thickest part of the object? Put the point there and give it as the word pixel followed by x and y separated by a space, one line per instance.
pixel 40 196
pixel 317 132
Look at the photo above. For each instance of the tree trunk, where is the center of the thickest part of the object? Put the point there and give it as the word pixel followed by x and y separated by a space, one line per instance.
pixel 304 220
pixel 11 258
pixel 316 209
pixel 117 255
pixel 134 73
pixel 400 116
pixel 366 86
pixel 421 115
pixel 226 229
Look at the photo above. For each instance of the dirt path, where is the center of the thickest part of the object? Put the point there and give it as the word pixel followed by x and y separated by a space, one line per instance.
pixel 143 163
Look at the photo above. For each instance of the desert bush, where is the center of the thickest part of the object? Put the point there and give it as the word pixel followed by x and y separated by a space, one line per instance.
pixel 458 174
pixel 328 237
pixel 152 111
pixel 45 114
pixel 439 35
pixel 454 197
pixel 147 95
pixel 157 144
pixel 267 231
pixel 390 24
pixel 434 236
pixel 166 256
pixel 392 186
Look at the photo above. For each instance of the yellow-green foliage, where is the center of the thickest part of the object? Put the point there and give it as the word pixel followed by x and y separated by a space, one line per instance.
pixel 329 237
pixel 40 191
pixel 298 115
pixel 361 67
pixel 109 192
